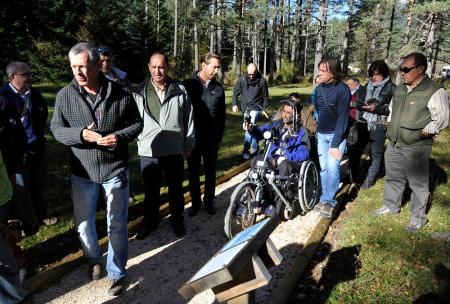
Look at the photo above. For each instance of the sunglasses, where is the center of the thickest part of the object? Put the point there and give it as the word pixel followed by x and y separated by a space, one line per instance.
pixel 406 70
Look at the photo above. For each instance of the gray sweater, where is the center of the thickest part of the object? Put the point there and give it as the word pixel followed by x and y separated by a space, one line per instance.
pixel 120 116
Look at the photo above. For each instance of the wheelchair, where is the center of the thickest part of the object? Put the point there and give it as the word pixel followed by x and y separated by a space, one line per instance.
pixel 266 193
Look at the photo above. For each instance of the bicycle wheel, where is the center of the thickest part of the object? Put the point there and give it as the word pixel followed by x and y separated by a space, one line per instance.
pixel 308 185
pixel 240 214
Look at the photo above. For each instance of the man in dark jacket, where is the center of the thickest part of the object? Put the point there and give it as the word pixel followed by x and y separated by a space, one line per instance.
pixel 97 118
pixel 32 110
pixel 208 102
pixel 418 112
pixel 254 100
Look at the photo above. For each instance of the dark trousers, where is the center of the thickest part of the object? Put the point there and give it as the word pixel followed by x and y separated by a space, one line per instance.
pixel 376 143
pixel 35 179
pixel 407 164
pixel 152 170
pixel 209 156
pixel 355 151
pixel 10 288
pixel 286 167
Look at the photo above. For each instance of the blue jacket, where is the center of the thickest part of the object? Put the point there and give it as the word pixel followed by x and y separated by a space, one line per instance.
pixel 294 149
pixel 332 103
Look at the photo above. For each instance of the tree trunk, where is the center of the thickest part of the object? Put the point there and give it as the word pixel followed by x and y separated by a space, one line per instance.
pixel 391 27
pixel 255 50
pixel 212 44
pixel 294 44
pixel 289 30
pixel 407 37
pixel 347 38
pixel 321 34
pixel 306 16
pixel 175 31
pixel 158 20
pixel 437 47
pixel 265 49
pixel 427 48
pixel 196 64
pixel 375 32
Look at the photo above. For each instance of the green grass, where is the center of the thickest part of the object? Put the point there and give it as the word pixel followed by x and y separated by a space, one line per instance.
pixel 396 266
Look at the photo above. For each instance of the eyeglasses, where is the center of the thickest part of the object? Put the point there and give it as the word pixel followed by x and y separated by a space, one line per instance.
pixel 406 70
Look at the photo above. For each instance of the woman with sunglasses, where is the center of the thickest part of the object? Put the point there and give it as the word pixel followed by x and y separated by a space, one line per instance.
pixel 373 102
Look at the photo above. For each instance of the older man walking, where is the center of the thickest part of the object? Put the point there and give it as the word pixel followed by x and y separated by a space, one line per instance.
pixel 168 135
pixel 97 118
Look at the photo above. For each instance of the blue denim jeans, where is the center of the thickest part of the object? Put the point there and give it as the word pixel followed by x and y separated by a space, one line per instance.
pixel 249 140
pixel 84 196
pixel 329 168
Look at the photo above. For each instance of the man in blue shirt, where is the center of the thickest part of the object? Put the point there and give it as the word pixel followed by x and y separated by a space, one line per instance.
pixel 332 101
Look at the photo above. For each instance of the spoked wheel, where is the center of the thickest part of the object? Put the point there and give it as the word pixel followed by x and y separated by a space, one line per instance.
pixel 308 185
pixel 241 212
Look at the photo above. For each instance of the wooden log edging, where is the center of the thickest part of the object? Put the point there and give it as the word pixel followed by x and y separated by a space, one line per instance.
pixel 284 291
pixel 70 262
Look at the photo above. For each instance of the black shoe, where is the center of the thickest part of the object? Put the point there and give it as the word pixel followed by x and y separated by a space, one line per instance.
pixel 178 228
pixel 194 210
pixel 145 230
pixel 95 271
pixel 117 286
pixel 210 209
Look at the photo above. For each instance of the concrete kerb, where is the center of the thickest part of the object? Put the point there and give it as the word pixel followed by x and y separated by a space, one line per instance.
pixel 288 284
pixel 70 262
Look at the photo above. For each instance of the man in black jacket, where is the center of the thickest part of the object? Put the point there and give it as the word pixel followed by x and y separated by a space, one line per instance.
pixel 97 118
pixel 208 102
pixel 254 100
pixel 32 110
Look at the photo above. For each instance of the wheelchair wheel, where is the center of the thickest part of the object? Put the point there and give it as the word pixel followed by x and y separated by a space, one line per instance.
pixel 240 214
pixel 308 185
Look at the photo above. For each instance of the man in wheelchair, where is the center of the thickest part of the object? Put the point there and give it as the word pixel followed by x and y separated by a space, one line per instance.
pixel 290 148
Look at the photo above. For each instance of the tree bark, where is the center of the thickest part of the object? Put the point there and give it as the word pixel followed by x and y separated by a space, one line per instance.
pixel 375 32
pixel 321 34
pixel 175 31
pixel 429 33
pixel 212 43
pixel 347 38
pixel 398 78
pixel 391 27
pixel 196 64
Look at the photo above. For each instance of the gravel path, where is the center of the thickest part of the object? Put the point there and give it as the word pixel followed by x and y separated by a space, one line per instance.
pixel 159 265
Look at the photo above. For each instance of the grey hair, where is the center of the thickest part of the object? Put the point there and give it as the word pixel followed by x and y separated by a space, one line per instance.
pixel 81 47
pixel 13 67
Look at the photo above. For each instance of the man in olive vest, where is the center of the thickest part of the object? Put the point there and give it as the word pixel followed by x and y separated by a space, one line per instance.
pixel 419 109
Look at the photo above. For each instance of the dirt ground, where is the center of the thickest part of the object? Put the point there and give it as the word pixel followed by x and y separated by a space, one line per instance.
pixel 159 265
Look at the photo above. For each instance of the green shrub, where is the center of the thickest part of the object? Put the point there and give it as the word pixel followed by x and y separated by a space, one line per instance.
pixel 49 61
pixel 287 72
